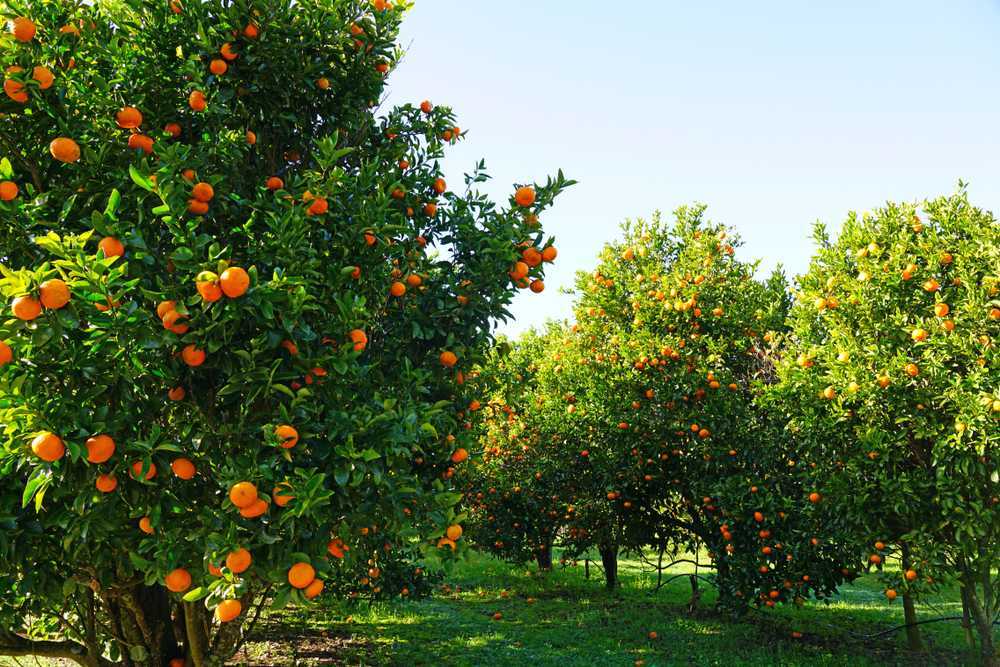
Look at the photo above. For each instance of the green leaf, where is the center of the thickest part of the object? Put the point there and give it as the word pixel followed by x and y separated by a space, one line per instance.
pixel 139 179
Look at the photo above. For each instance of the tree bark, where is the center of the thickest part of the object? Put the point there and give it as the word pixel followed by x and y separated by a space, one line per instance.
pixel 984 628
pixel 609 558
pixel 544 558
pixel 970 637
pixel 15 645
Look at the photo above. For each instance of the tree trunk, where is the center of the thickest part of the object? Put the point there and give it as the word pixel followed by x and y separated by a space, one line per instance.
pixel 544 558
pixel 984 628
pixel 970 637
pixel 913 640
pixel 609 558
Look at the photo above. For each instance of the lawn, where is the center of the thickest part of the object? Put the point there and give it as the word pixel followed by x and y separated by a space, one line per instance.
pixel 561 618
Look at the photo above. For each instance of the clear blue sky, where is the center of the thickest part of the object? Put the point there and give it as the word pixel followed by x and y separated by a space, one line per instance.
pixel 775 114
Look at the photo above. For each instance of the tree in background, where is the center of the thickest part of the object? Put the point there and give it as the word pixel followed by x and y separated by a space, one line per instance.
pixel 238 307
pixel 891 386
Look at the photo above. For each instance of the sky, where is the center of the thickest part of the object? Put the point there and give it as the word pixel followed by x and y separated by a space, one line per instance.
pixel 775 114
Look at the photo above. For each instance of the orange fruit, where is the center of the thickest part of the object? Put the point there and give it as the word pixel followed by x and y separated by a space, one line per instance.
pixel 815 497
pixel 251 137
pixel 141 142
pixel 106 483
pixel 111 247
pixel 243 494
pixel 228 610
pixel 426 106
pixel 203 192
pixel 173 129
pixel 448 359
pixel 440 186
pixel 524 196
pixel 171 319
pixel 359 338
pixel 64 149
pixel 941 309
pixel 165 307
pixel 54 294
pixel 176 394
pixel 911 575
pixel 15 89
pixel 912 370
pixel 193 356
pixel 48 447
pixel 100 448
pixel 430 209
pixel 313 589
pixel 44 77
pixel 275 183
pixel 301 575
pixel 196 100
pixel 183 468
pixel 336 548
pixel 519 271
pixel 531 257
pixel 323 83
pixel 318 207
pixel 397 289
pixel 549 253
pixel 196 207
pixel 414 280
pixel 891 594
pixel 239 561
pixel 454 532
pixel 209 290
pixel 8 190
pixel 188 175
pixel 537 286
pixel 26 308
pixel 282 494
pixel 137 467
pixel 218 67
pixel 459 455
pixel 234 282
pixel 177 581
pixel 287 435
pixel 251 31
pixel 227 52
pixel 146 525
pixel 129 118
pixel 6 354
pixel 23 29
pixel 257 509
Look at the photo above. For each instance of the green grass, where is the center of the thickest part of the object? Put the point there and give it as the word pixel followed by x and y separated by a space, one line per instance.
pixel 575 622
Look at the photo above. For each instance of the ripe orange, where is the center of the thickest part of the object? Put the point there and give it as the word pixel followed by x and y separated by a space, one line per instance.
pixel 203 192
pixel 129 118
pixel 6 354
pixel 440 186
pixel 176 394
pixel 531 257
pixel 193 356
pixel 257 509
pixel 911 575
pixel 227 52
pixel 301 575
pixel 397 289
pixel 54 294
pixel 15 89
pixel 8 190
pixel 209 289
pixel 319 206
pixel 188 175
pixel 165 307
pixel 106 483
pixel 239 561
pixel 282 494
pixel 218 67
pixel 459 455
pixel 137 467
pixel 313 589
pixel 251 31
pixel 196 207
pixel 48 447
pixel 359 338
pixel 146 525
pixel 100 448
pixel 251 137
pixel 891 594
pixel 196 100
pixel 173 129
pixel 243 494
pixel 448 359
pixel 177 581
pixel 275 183
pixel 524 196
pixel 64 149
pixel 519 271
pixel 228 610
pixel 44 76
pixel 287 435
pixel 234 282
pixel 23 29
pixel 323 83
pixel 537 286
pixel 426 106
pixel 941 309
pixel 183 468
pixel 454 532
pixel 111 247
pixel 815 497
pixel 141 142
pixel 549 253
pixel 430 209
pixel 26 308
pixel 912 370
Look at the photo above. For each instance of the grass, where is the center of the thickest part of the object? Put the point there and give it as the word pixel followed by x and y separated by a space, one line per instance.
pixel 572 621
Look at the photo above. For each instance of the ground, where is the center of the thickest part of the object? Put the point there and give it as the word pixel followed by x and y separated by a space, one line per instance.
pixel 563 619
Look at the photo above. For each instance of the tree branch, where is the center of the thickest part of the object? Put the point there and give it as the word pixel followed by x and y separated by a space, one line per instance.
pixel 15 645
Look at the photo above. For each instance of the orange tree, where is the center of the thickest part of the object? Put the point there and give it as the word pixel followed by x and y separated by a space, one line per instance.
pixel 237 310
pixel 891 385
pixel 514 488
pixel 648 406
